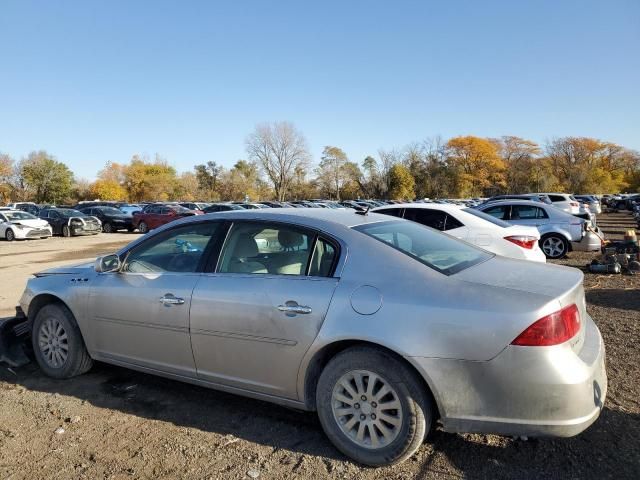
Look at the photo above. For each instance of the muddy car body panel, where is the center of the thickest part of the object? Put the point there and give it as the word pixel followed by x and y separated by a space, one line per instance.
pixel 253 325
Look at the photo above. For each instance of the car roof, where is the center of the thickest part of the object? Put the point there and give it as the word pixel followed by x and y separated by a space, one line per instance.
pixel 516 202
pixel 451 207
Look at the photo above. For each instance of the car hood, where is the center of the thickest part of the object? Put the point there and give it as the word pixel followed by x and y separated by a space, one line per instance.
pixel 67 270
pixel 34 223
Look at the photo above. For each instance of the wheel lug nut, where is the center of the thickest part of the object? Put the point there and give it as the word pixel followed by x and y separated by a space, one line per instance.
pixel 374 404
pixel 356 406
pixel 363 398
pixel 373 416
pixel 362 417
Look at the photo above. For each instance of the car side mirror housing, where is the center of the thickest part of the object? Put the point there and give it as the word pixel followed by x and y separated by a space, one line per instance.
pixel 108 263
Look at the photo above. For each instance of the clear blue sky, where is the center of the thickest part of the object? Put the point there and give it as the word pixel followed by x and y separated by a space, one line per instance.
pixel 92 81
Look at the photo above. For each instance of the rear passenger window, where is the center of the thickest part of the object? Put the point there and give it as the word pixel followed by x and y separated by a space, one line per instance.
pixel 451 223
pixel 426 216
pixel 557 198
pixel 323 259
pixel 497 212
pixel 395 212
pixel 257 248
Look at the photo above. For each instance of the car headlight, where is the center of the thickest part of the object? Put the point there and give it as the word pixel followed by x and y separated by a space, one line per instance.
pixel 19 227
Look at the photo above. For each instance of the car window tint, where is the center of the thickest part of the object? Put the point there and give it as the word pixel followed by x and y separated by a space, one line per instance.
pixel 395 212
pixel 524 212
pixel 323 259
pixel 488 218
pixel 258 248
pixel 426 216
pixel 165 211
pixel 440 252
pixel 557 198
pixel 498 212
pixel 451 222
pixel 177 250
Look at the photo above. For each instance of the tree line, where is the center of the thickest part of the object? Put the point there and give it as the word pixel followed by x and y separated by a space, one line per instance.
pixel 279 166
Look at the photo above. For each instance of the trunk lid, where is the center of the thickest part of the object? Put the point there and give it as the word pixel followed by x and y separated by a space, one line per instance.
pixel 553 282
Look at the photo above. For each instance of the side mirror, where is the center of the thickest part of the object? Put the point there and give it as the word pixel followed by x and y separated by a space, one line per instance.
pixel 108 263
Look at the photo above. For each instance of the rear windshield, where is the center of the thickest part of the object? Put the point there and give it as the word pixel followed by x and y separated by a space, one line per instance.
pixel 436 250
pixel 487 217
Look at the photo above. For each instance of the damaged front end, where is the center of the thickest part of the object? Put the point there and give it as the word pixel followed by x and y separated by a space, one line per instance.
pixel 14 335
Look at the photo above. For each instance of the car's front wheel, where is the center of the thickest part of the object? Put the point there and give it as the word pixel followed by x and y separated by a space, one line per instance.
pixel 554 245
pixel 66 231
pixel 57 343
pixel 107 228
pixel 9 235
pixel 373 407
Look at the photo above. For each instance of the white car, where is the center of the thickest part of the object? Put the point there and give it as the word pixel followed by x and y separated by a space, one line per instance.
pixel 473 226
pixel 19 225
pixel 567 203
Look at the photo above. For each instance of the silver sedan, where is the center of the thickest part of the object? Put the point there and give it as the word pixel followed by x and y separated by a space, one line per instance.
pixel 382 326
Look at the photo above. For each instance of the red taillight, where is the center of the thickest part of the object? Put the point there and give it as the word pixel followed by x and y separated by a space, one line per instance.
pixel 553 329
pixel 524 241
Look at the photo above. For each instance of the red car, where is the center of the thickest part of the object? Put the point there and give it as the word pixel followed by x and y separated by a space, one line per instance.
pixel 157 215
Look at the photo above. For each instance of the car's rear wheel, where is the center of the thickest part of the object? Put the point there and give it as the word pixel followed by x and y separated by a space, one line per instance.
pixel 107 228
pixel 143 227
pixel 554 245
pixel 373 407
pixel 9 235
pixel 57 343
pixel 66 231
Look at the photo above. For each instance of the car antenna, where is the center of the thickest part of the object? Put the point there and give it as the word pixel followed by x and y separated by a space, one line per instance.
pixel 365 211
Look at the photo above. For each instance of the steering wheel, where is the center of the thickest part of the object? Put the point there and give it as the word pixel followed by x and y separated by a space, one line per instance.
pixel 183 263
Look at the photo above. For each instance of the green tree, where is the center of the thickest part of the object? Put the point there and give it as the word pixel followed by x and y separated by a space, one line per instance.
pixel 401 183
pixel 208 177
pixel 48 179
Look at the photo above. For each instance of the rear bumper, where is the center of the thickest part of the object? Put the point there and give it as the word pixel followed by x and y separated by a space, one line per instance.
pixel 524 391
pixel 589 243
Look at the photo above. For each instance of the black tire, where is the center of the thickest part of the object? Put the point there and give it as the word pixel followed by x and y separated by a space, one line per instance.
pixel 77 360
pixel 417 407
pixel 9 235
pixel 107 228
pixel 143 227
pixel 66 231
pixel 554 245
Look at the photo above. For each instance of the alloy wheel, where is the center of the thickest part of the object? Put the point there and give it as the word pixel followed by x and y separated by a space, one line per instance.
pixel 553 247
pixel 367 409
pixel 9 235
pixel 53 343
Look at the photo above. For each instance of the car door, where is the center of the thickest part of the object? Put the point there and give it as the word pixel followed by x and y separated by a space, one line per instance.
pixel 140 315
pixel 253 319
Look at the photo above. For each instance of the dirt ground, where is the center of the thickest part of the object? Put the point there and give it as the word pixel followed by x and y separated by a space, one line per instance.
pixel 114 423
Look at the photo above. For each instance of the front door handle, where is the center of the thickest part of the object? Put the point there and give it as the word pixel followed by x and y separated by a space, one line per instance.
pixel 292 308
pixel 170 299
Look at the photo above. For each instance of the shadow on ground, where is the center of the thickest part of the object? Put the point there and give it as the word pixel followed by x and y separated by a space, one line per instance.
pixel 624 299
pixel 610 448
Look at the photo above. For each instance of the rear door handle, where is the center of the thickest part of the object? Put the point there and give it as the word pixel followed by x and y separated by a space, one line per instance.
pixel 292 308
pixel 169 299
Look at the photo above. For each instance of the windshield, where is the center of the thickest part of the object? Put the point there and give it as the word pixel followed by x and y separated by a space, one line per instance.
pixel 69 212
pixel 436 250
pixel 110 211
pixel 487 217
pixel 13 216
